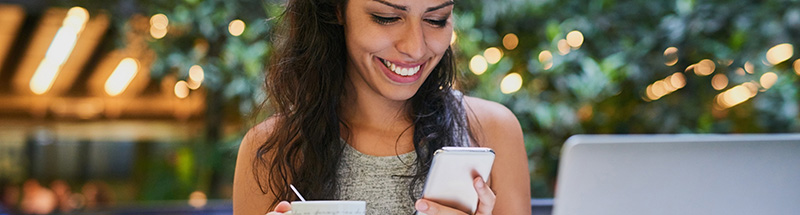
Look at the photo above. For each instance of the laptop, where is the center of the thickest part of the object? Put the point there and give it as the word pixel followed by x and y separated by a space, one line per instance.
pixel 679 174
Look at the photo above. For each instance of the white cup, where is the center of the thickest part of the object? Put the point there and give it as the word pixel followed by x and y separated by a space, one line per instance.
pixel 329 208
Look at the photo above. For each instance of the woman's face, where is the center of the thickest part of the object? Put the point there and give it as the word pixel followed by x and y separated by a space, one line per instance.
pixel 393 45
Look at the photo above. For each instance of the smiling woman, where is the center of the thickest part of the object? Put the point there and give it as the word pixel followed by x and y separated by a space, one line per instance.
pixel 363 96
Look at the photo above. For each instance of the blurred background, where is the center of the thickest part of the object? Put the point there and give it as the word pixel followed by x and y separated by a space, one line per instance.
pixel 138 106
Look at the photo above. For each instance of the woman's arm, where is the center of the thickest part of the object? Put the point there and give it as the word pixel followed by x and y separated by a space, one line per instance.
pixel 247 196
pixel 496 127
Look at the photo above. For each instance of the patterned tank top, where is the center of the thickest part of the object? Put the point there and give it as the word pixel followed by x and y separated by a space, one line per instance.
pixel 376 179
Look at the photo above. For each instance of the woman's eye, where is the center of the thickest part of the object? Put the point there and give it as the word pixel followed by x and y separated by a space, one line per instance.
pixel 384 20
pixel 437 22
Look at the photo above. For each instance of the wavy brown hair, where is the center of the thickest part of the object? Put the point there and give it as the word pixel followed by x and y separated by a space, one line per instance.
pixel 305 83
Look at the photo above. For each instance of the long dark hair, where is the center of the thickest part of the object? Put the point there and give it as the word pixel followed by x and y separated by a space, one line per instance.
pixel 305 84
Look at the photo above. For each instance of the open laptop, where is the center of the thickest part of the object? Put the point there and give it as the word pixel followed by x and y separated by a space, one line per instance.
pixel 679 174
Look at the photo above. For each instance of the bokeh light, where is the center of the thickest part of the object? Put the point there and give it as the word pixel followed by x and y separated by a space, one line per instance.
pixel 159 21
pixel 546 59
pixel 780 53
pixel 510 41
pixel 121 77
pixel 736 95
pixel 563 47
pixel 719 81
pixel 797 66
pixel 196 76
pixel 749 68
pixel 665 86
pixel 768 80
pixel 575 39
pixel 158 26
pixel 181 89
pixel 478 65
pixel 704 67
pixel 236 27
pixel 198 199
pixel 493 55
pixel 511 83
pixel 60 49
pixel 671 56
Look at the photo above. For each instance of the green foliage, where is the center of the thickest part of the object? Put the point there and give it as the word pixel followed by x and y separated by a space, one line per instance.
pixel 600 87
pixel 597 88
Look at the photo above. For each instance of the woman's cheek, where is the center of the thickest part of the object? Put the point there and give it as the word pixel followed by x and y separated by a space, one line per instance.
pixel 439 40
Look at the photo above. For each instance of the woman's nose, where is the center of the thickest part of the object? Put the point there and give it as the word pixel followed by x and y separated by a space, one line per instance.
pixel 412 41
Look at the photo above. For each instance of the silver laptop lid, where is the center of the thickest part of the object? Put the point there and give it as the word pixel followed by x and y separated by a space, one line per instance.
pixel 679 174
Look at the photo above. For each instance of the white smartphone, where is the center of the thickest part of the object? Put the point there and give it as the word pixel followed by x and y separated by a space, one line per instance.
pixel 449 180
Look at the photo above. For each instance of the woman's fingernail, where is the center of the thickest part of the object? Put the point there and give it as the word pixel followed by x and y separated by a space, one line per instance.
pixel 479 184
pixel 421 205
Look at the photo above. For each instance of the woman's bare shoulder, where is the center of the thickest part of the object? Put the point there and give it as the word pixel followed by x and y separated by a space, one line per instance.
pixel 490 119
pixel 259 133
pixel 497 127
pixel 248 196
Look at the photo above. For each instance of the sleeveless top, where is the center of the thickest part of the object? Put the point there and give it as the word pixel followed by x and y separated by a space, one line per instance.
pixel 376 179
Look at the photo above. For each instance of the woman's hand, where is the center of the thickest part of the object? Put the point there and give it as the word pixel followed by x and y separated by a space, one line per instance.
pixel 281 208
pixel 486 200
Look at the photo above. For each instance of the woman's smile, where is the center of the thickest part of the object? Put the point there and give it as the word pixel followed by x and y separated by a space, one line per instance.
pixel 400 72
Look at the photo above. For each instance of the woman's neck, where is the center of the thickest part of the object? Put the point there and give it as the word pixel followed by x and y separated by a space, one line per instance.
pixel 363 107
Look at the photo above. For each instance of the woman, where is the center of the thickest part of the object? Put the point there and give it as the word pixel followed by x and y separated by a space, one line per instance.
pixel 362 93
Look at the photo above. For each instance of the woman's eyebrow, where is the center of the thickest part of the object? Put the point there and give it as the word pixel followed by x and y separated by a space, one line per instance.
pixel 404 8
pixel 448 3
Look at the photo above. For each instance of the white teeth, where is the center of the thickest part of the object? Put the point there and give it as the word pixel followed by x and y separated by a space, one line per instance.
pixel 401 70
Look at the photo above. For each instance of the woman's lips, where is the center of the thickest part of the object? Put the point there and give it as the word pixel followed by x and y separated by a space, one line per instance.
pixel 399 72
